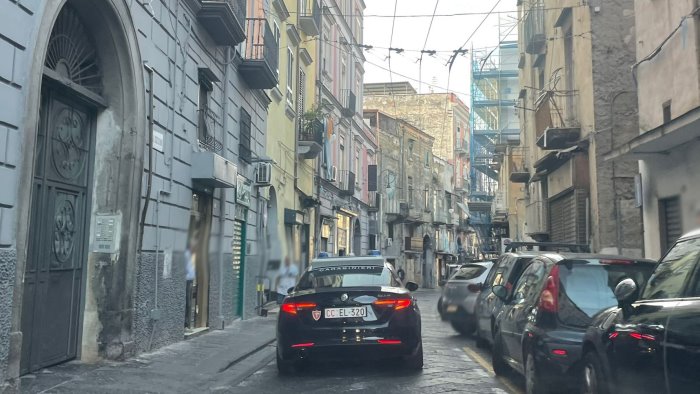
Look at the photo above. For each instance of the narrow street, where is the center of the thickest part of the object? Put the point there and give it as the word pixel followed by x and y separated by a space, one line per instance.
pixel 452 364
pixel 241 359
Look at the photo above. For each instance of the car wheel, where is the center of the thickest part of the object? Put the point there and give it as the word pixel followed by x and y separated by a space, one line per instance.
pixel 593 379
pixel 462 328
pixel 500 367
pixel 285 367
pixel 533 382
pixel 415 362
pixel 481 343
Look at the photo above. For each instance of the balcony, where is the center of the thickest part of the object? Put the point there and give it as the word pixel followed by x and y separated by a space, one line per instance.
pixel 223 19
pixel 310 17
pixel 346 182
pixel 534 34
pixel 348 103
pixel 260 55
pixel 375 200
pixel 556 122
pixel 310 137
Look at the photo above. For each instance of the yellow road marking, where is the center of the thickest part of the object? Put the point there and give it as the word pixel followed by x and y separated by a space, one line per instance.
pixel 487 366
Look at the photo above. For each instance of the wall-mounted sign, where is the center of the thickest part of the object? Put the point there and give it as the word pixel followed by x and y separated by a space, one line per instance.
pixel 158 141
pixel 244 188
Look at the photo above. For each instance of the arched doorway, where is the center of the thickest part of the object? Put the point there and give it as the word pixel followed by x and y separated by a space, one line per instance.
pixel 357 239
pixel 87 102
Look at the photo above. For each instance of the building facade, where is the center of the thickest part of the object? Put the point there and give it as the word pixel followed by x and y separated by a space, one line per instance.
pixel 668 93
pixel 405 185
pixel 294 137
pixel 141 126
pixel 343 211
pixel 576 100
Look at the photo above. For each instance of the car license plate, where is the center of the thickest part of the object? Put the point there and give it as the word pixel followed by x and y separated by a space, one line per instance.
pixel 451 308
pixel 339 313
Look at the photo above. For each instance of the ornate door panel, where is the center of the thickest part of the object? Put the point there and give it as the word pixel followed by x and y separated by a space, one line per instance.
pixel 58 233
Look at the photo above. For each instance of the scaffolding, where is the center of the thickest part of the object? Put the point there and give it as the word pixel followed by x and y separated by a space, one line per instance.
pixel 493 117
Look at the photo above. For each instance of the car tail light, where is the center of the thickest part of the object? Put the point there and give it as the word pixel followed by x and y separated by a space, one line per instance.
pixel 559 352
pixel 613 335
pixel 396 303
pixel 389 341
pixel 640 337
pixel 293 307
pixel 549 299
pixel 306 344
pixel 474 287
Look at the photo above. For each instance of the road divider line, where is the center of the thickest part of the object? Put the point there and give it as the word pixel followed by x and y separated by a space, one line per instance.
pixel 477 358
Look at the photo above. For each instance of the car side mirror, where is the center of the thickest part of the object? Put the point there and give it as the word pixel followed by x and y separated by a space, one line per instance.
pixel 411 286
pixel 500 291
pixel 626 292
pixel 290 290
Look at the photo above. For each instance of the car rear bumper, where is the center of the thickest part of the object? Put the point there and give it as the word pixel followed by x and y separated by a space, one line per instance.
pixel 348 351
pixel 560 358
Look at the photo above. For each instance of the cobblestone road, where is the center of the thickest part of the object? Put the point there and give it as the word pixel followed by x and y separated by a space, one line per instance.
pixel 447 368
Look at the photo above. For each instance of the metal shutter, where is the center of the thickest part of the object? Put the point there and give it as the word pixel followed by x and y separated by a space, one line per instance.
pixel 567 218
pixel 670 221
pixel 237 251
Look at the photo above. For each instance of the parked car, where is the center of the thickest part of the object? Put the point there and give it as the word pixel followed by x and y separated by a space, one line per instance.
pixel 539 331
pixel 458 299
pixel 338 296
pixel 505 271
pixel 650 343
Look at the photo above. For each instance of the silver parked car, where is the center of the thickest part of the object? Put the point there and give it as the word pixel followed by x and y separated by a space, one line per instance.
pixel 458 300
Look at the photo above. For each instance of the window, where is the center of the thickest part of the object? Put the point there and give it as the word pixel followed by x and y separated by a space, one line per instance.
pixel 358 25
pixel 244 144
pixel 343 159
pixel 410 190
pixel 277 41
pixel 357 167
pixel 670 276
pixel 290 77
pixel 347 276
pixel 670 221
pixel 528 286
pixel 468 272
pixel 205 88
pixel 427 159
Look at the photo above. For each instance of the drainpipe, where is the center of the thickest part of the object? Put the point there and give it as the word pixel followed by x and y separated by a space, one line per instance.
pixel 222 191
pixel 616 200
pixel 149 72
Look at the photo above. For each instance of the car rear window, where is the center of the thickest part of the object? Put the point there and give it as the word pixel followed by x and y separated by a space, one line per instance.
pixel 587 286
pixel 346 276
pixel 468 272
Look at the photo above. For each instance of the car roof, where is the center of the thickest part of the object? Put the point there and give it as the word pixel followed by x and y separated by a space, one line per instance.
pixel 587 256
pixel 691 234
pixel 526 253
pixel 345 261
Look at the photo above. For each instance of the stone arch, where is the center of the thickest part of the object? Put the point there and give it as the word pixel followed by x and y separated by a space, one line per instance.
pixel 119 132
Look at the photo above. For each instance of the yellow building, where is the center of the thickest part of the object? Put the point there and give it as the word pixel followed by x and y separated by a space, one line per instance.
pixel 293 136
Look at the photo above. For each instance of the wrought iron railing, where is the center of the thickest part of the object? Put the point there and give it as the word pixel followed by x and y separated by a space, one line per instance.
pixel 311 130
pixel 312 10
pixel 557 110
pixel 533 30
pixel 348 101
pixel 260 42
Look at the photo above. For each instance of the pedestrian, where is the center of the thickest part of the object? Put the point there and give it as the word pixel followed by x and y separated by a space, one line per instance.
pixel 190 277
pixel 401 273
pixel 286 279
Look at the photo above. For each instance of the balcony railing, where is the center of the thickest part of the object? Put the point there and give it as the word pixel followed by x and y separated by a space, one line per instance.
pixel 348 102
pixel 260 55
pixel 223 19
pixel 556 121
pixel 534 33
pixel 310 17
pixel 374 200
pixel 346 182
pixel 310 137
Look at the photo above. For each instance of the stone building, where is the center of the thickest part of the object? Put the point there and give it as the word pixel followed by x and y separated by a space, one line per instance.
pixel 407 195
pixel 576 100
pixel 668 93
pixel 131 134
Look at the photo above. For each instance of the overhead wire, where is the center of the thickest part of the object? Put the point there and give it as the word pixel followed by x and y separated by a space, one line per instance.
pixel 425 44
pixel 391 40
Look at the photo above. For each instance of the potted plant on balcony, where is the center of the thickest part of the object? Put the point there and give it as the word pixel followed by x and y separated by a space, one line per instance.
pixel 311 125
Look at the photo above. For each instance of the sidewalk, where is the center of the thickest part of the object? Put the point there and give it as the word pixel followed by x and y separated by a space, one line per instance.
pixel 195 365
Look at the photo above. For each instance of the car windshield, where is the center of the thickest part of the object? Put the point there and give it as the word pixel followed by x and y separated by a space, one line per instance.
pixel 671 274
pixel 587 287
pixel 468 272
pixel 347 276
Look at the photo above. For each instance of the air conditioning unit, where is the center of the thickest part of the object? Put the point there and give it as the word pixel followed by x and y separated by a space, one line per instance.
pixel 389 242
pixel 263 174
pixel 334 174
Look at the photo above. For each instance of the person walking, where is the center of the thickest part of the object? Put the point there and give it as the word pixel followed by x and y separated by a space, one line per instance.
pixel 286 278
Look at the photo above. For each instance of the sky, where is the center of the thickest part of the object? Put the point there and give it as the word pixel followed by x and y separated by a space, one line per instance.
pixel 448 33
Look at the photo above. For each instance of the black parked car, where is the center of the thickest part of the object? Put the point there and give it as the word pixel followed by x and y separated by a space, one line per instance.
pixel 505 272
pixel 349 307
pixel 539 331
pixel 650 344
